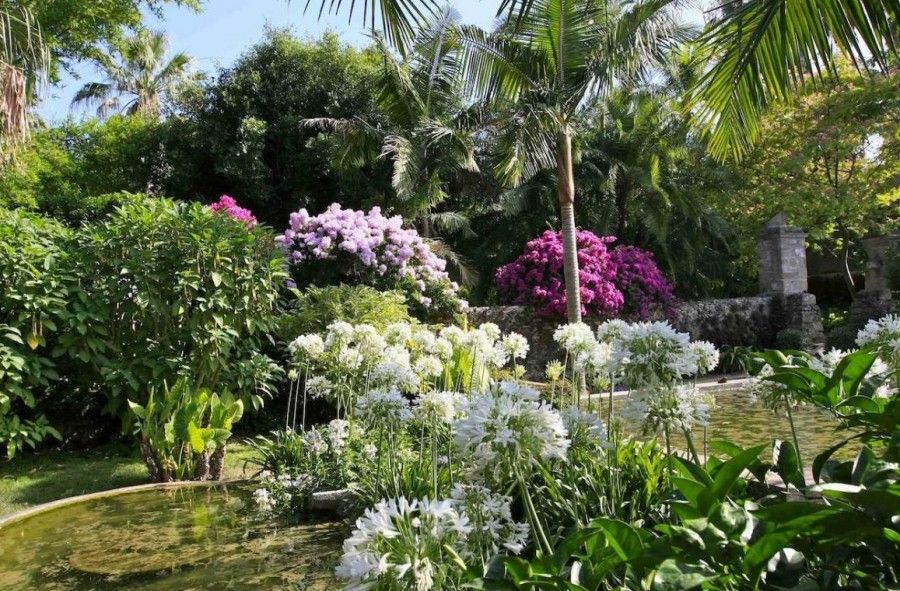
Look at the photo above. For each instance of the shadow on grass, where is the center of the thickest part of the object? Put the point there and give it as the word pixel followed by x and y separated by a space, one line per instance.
pixel 32 479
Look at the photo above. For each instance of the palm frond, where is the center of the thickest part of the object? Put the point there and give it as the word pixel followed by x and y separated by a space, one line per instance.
pixel 765 49
pixel 398 18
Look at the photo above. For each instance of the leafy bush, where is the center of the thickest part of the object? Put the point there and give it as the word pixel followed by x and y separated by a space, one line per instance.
pixel 76 211
pixel 612 281
pixel 35 293
pixel 184 431
pixel 356 247
pixel 316 308
pixel 181 291
pixel 842 337
pixel 791 339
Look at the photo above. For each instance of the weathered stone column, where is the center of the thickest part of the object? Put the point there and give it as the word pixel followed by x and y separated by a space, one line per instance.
pixel 875 300
pixel 782 275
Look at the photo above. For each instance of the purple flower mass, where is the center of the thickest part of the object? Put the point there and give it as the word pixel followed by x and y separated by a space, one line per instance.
pixel 230 207
pixel 378 247
pixel 624 280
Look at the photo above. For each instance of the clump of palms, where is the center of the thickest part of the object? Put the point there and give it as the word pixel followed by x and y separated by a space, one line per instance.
pixel 139 76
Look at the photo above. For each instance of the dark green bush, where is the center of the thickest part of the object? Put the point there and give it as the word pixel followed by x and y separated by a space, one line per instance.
pixel 77 211
pixel 183 292
pixel 35 292
pixel 314 309
pixel 842 337
pixel 791 339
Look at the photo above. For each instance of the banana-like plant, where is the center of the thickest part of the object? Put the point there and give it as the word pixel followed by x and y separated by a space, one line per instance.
pixel 184 431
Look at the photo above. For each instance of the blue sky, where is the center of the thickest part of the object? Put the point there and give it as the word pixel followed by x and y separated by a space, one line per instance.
pixel 226 28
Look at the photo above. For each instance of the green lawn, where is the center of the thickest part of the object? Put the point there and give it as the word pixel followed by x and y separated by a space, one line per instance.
pixel 34 478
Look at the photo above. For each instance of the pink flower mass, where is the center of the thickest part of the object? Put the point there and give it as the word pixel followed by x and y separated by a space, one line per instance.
pixel 623 280
pixel 230 207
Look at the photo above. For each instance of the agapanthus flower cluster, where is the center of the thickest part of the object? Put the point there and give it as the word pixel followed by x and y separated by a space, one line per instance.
pixel 509 428
pixel 878 377
pixel 281 492
pixel 438 407
pixel 586 429
pixel 675 407
pixel 370 247
pixel 611 281
pixel 883 335
pixel 348 359
pixel 229 206
pixel 493 529
pixel 402 544
pixel 380 408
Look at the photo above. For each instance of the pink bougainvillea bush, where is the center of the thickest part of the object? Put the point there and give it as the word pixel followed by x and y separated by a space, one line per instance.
pixel 367 247
pixel 620 281
pixel 647 291
pixel 229 206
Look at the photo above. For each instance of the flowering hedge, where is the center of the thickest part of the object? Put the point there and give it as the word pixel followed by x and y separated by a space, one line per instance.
pixel 623 280
pixel 367 247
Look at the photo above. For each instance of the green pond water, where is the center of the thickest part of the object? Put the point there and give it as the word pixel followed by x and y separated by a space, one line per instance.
pixel 168 539
pixel 734 417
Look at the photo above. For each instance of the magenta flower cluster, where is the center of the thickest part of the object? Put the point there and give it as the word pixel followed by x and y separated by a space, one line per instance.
pixel 229 206
pixel 376 244
pixel 624 280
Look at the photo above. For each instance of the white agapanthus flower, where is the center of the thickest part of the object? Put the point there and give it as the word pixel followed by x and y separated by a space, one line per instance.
pixel 350 358
pixel 575 338
pixel 383 407
pixel 338 433
pixel 515 345
pixel 423 341
pixel 706 356
pixel 502 430
pixel 443 349
pixel 490 330
pixel 310 346
pixel 398 334
pixel 405 542
pixel 454 334
pixel 370 451
pixel 338 334
pixel 650 352
pixel 439 407
pixel 394 375
pixel 490 518
pixel 370 344
pixel 611 330
pixel 678 408
pixel 884 335
pixel 319 387
pixel 429 367
pixel 315 442
pixel 586 429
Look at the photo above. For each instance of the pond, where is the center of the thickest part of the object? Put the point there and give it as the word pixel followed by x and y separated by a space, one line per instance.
pixel 199 537
pixel 736 418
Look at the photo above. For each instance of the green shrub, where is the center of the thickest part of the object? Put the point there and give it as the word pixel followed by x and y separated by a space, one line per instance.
pixel 182 292
pixel 77 211
pixel 893 269
pixel 317 307
pixel 35 291
pixel 841 337
pixel 791 339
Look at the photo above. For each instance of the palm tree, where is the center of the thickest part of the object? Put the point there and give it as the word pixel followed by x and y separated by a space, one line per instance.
pixel 139 72
pixel 426 132
pixel 539 70
pixel 24 61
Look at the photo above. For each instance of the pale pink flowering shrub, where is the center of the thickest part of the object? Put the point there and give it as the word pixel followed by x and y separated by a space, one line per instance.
pixel 229 206
pixel 367 247
pixel 620 281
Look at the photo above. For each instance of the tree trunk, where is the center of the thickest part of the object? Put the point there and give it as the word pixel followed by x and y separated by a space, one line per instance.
pixel 150 461
pixel 845 263
pixel 567 217
pixel 202 469
pixel 217 463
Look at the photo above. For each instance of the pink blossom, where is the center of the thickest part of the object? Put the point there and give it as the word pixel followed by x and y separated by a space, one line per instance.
pixel 230 207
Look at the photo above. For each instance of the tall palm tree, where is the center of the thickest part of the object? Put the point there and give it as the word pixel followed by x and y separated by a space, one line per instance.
pixel 139 73
pixel 538 71
pixel 24 61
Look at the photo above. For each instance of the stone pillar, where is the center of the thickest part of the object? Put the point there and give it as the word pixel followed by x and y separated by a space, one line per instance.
pixel 782 275
pixel 782 258
pixel 875 300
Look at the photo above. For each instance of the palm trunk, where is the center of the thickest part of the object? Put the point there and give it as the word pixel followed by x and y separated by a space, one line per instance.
pixel 567 217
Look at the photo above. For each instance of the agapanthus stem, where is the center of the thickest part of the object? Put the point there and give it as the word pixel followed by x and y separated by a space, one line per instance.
pixel 790 414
